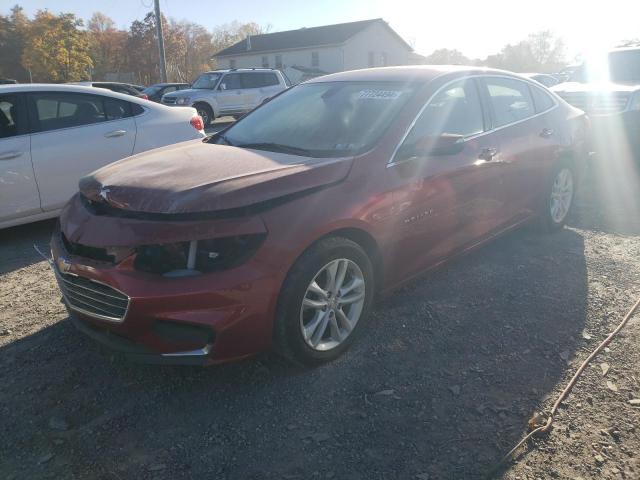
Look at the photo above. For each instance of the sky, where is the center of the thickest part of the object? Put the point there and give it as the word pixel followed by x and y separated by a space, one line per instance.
pixel 475 27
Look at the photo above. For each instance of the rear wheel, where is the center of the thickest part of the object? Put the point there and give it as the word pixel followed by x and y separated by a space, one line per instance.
pixel 559 198
pixel 205 112
pixel 324 302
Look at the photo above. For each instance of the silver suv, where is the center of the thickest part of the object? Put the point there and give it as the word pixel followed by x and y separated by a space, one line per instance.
pixel 228 92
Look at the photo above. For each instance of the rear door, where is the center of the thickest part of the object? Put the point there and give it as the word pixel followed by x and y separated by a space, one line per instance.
pixel 18 190
pixel 447 202
pixel 73 135
pixel 527 139
pixel 230 94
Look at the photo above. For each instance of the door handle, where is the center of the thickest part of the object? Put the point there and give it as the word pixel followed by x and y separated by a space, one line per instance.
pixel 546 133
pixel 115 133
pixel 9 155
pixel 488 154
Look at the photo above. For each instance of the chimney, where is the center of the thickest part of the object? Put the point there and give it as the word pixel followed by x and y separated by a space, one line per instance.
pixel 248 43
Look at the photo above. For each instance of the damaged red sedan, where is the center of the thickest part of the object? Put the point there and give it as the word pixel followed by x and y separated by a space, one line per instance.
pixel 278 232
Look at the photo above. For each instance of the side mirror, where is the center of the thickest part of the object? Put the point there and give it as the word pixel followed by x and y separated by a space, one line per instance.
pixel 445 144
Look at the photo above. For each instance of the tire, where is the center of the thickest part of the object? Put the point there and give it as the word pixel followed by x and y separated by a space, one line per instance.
pixel 342 322
pixel 205 112
pixel 559 197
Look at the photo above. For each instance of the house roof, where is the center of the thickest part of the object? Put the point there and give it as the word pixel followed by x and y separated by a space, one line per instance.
pixel 303 38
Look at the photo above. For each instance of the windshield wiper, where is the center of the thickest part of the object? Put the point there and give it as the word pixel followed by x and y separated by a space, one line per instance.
pixel 224 138
pixel 277 147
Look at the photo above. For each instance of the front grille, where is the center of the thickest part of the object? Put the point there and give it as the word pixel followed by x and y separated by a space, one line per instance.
pixel 169 100
pixel 93 298
pixel 597 103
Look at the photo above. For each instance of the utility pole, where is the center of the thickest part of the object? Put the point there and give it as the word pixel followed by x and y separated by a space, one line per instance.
pixel 163 66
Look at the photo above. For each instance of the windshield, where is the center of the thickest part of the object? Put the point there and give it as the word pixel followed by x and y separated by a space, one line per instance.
pixel 206 80
pixel 621 67
pixel 331 119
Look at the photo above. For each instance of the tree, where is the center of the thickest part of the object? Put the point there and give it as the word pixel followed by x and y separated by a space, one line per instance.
pixel 229 33
pixel 445 56
pixel 196 51
pixel 56 49
pixel 540 52
pixel 107 45
pixel 12 37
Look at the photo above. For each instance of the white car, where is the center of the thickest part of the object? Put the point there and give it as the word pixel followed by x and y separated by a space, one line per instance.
pixel 52 135
pixel 231 92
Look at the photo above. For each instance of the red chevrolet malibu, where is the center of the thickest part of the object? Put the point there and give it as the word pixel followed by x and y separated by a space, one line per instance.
pixel 278 232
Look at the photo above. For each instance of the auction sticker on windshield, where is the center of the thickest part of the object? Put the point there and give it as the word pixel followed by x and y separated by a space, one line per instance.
pixel 380 94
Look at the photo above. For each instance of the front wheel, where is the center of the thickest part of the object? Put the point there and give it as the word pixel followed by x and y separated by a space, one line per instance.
pixel 205 112
pixel 559 198
pixel 324 301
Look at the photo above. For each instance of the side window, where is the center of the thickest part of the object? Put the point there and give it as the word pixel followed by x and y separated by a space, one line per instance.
pixel 511 100
pixel 455 110
pixel 542 100
pixel 12 121
pixel 169 89
pixel 270 79
pixel 232 81
pixel 55 110
pixel 278 61
pixel 265 62
pixel 251 80
pixel 115 109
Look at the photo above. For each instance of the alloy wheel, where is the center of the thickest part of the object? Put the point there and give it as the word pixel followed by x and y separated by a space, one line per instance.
pixel 561 195
pixel 332 304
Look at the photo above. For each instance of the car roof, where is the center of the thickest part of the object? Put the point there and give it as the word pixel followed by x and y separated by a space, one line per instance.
pixel 74 88
pixel 411 73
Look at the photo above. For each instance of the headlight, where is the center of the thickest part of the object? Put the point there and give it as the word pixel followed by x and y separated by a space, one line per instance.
pixel 634 104
pixel 183 100
pixel 201 256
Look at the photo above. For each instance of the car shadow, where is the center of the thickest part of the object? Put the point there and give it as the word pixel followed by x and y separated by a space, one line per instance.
pixel 442 383
pixel 16 244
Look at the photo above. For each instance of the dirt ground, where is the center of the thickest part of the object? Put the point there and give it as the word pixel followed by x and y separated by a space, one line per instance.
pixel 440 387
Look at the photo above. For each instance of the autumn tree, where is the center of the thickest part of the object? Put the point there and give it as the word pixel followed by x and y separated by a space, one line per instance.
pixel 107 45
pixel 56 49
pixel 196 52
pixel 12 39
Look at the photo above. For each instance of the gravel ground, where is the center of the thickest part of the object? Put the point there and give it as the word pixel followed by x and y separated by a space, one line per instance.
pixel 441 386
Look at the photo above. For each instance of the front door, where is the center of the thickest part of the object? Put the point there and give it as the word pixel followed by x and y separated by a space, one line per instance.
pixel 446 201
pixel 75 134
pixel 18 190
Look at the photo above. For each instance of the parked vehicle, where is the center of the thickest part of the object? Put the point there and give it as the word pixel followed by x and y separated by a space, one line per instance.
pixel 609 92
pixel 279 231
pixel 543 78
pixel 228 92
pixel 155 92
pixel 51 135
pixel 7 81
pixel 125 88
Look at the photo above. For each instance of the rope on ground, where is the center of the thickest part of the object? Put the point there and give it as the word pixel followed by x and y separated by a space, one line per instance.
pixel 544 428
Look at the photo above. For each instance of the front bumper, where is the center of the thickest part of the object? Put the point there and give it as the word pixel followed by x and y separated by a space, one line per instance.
pixel 201 320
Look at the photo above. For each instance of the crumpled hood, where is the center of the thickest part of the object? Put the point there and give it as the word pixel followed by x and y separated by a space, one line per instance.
pixel 595 87
pixel 194 176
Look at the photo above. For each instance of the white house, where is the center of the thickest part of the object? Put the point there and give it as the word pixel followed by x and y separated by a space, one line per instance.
pixel 310 52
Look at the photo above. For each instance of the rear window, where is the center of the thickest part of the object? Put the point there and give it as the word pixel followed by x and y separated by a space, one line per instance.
pixel 510 99
pixel 259 79
pixel 57 110
pixel 541 99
